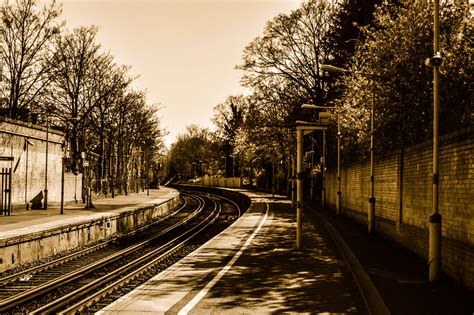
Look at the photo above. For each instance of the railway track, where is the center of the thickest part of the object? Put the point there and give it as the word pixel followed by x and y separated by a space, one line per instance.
pixel 79 280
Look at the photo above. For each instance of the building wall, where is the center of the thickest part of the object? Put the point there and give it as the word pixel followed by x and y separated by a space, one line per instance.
pixel 403 191
pixel 26 143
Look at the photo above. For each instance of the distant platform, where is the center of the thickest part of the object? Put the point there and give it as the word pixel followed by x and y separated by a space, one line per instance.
pixel 29 235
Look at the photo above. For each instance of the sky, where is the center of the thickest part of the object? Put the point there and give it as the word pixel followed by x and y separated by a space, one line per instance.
pixel 185 51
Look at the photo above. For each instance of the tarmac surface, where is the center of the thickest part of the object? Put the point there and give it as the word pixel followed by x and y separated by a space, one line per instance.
pixel 399 275
pixel 253 267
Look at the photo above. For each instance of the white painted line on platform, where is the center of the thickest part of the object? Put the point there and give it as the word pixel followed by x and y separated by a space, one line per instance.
pixel 191 304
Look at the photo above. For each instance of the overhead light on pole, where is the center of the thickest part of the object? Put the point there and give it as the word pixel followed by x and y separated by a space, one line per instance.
pixel 331 68
pixel 371 212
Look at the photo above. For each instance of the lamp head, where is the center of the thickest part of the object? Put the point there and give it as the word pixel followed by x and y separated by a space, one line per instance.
pixel 435 61
pixel 309 106
pixel 331 68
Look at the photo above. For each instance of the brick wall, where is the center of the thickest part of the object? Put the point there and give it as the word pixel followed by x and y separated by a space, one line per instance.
pixel 26 143
pixel 403 191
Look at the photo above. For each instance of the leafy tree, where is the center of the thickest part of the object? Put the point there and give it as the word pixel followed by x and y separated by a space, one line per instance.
pixel 193 152
pixel 135 139
pixel 388 67
pixel 228 119
pixel 349 19
pixel 25 35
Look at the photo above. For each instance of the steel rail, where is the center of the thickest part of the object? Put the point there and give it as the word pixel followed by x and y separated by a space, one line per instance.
pixel 86 251
pixel 130 271
pixel 29 295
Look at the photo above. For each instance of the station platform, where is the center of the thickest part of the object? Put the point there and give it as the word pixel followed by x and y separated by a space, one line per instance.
pixel 23 222
pixel 254 267
pixel 27 236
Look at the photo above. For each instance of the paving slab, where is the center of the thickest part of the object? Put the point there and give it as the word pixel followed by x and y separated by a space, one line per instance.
pixel 400 276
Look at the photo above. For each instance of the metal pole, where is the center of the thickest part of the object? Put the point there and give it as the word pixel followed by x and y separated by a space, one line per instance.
pixel 311 176
pixel 292 175
pixel 291 170
pixel 323 166
pixel 89 190
pixel 338 197
pixel 434 257
pixel 26 177
pixel 75 188
pixel 371 215
pixel 273 179
pixel 62 186
pixel 299 187
pixel 45 206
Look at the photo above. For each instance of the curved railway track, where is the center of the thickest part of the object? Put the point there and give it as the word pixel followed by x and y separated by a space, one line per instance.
pixel 76 281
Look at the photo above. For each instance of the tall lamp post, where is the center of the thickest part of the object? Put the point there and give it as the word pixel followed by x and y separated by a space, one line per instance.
pixel 434 255
pixel 371 213
pixel 312 168
pixel 338 196
pixel 45 205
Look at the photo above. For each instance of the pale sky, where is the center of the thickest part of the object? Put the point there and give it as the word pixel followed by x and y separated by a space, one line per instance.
pixel 185 51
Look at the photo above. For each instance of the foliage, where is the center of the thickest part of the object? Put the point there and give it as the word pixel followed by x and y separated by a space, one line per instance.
pixel 349 18
pixel 228 119
pixel 388 67
pixel 194 153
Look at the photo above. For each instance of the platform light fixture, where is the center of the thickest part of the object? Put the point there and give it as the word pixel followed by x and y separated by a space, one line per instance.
pixel 371 212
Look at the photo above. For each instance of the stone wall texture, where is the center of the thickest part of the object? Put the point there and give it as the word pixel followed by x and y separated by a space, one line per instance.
pixel 403 191
pixel 26 143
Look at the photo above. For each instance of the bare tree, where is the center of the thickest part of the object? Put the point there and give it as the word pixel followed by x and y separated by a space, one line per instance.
pixel 282 67
pixel 82 79
pixel 290 52
pixel 26 34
